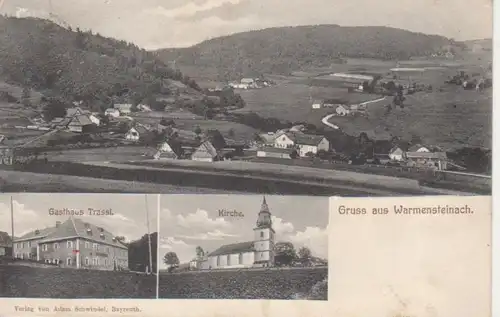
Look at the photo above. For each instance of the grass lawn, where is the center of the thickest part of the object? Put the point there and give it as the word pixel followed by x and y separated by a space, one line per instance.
pixel 293 101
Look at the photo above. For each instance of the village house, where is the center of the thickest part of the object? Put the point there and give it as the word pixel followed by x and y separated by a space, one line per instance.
pixel 274 152
pixel 206 152
pixel 123 108
pixel 342 110
pixel 397 154
pixel 308 143
pixel 284 140
pixel 267 139
pixel 420 148
pixel 256 253
pixel 136 133
pixel 74 244
pixel 435 160
pixel 80 124
pixel 168 150
pixel 317 104
pixel 112 112
pixel 5 244
pixel 143 107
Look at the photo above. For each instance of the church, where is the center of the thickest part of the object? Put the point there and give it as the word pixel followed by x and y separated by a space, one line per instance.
pixel 256 253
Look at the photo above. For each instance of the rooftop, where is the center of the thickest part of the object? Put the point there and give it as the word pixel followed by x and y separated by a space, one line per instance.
pixel 73 227
pixel 234 248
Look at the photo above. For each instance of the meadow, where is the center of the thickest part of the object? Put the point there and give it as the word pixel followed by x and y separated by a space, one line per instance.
pixel 246 284
pixel 451 119
pixel 292 101
pixel 32 282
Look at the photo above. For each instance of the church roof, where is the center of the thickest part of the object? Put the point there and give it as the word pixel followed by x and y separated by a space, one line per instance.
pixel 234 248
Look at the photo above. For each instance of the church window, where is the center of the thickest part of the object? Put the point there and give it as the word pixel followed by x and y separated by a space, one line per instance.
pixel 240 258
pixel 218 261
pixel 228 259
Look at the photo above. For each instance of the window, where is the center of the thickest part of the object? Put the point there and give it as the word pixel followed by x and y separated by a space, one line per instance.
pixel 69 245
pixel 107 250
pixel 86 245
pixel 22 245
pixel 56 246
pixel 44 247
pixel 240 258
pixel 29 244
pixel 229 259
pixel 68 261
pixel 218 261
pixel 97 261
pixel 262 234
pixel 87 262
pixel 106 262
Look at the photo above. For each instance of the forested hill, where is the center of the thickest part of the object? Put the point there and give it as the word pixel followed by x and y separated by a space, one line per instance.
pixel 282 50
pixel 73 64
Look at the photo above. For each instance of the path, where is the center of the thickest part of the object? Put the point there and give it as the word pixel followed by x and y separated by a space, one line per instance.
pixel 326 119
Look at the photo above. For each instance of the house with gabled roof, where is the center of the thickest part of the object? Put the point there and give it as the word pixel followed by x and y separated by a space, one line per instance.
pixel 206 152
pixel 169 149
pixel 75 244
pixel 80 123
pixel 137 132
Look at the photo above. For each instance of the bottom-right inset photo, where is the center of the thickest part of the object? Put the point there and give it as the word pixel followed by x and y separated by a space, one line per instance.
pixel 243 247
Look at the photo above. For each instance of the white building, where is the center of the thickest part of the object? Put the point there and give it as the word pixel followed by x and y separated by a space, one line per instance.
pixel 256 253
pixel 397 154
pixel 304 143
pixel 112 112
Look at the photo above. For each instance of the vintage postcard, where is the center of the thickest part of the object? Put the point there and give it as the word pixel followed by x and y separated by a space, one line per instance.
pixel 78 246
pixel 309 97
pixel 252 255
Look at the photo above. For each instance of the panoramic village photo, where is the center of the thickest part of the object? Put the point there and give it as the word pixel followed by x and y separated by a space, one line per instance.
pixel 243 247
pixel 317 98
pixel 78 246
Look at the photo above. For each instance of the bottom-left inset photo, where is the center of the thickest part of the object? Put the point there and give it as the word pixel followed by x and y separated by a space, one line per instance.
pixel 78 245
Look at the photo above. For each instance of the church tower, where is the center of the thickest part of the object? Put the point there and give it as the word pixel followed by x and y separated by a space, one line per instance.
pixel 264 238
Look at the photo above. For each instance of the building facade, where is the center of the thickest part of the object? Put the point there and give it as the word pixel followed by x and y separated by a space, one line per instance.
pixel 256 253
pixel 74 244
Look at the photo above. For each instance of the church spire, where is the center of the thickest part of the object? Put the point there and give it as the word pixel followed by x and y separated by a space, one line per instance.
pixel 264 218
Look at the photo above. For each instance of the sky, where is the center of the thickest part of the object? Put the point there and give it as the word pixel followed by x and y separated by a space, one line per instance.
pixel 31 212
pixel 188 221
pixel 154 24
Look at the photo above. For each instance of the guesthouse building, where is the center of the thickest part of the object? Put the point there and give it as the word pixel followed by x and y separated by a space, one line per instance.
pixel 75 244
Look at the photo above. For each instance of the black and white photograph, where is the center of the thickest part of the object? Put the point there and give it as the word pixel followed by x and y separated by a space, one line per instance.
pixel 245 96
pixel 243 247
pixel 78 246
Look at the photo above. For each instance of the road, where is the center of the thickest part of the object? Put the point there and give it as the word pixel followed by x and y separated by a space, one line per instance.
pixel 326 119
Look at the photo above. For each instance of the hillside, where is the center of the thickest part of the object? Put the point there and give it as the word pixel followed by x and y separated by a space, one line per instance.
pixel 78 65
pixel 285 49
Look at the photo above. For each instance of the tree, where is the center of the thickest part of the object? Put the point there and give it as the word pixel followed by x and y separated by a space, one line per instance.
pixel 199 252
pixel 54 109
pixel 305 256
pixel 284 253
pixel 139 253
pixel 25 97
pixel 197 130
pixel 171 259
pixel 216 138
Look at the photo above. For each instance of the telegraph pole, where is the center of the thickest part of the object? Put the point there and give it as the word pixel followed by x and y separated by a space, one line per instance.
pixel 149 235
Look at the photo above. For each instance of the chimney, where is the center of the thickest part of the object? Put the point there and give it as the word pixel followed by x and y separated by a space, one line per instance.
pixel 58 223
pixel 38 231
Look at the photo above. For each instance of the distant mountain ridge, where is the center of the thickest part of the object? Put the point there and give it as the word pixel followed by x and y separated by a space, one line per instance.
pixel 282 50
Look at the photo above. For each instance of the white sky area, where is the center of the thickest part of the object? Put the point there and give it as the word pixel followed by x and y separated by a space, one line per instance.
pixel 156 24
pixel 31 212
pixel 188 221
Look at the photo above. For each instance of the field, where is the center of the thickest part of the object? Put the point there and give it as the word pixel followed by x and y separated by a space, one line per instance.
pixel 451 119
pixel 241 132
pixel 292 101
pixel 15 181
pixel 246 284
pixel 31 282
